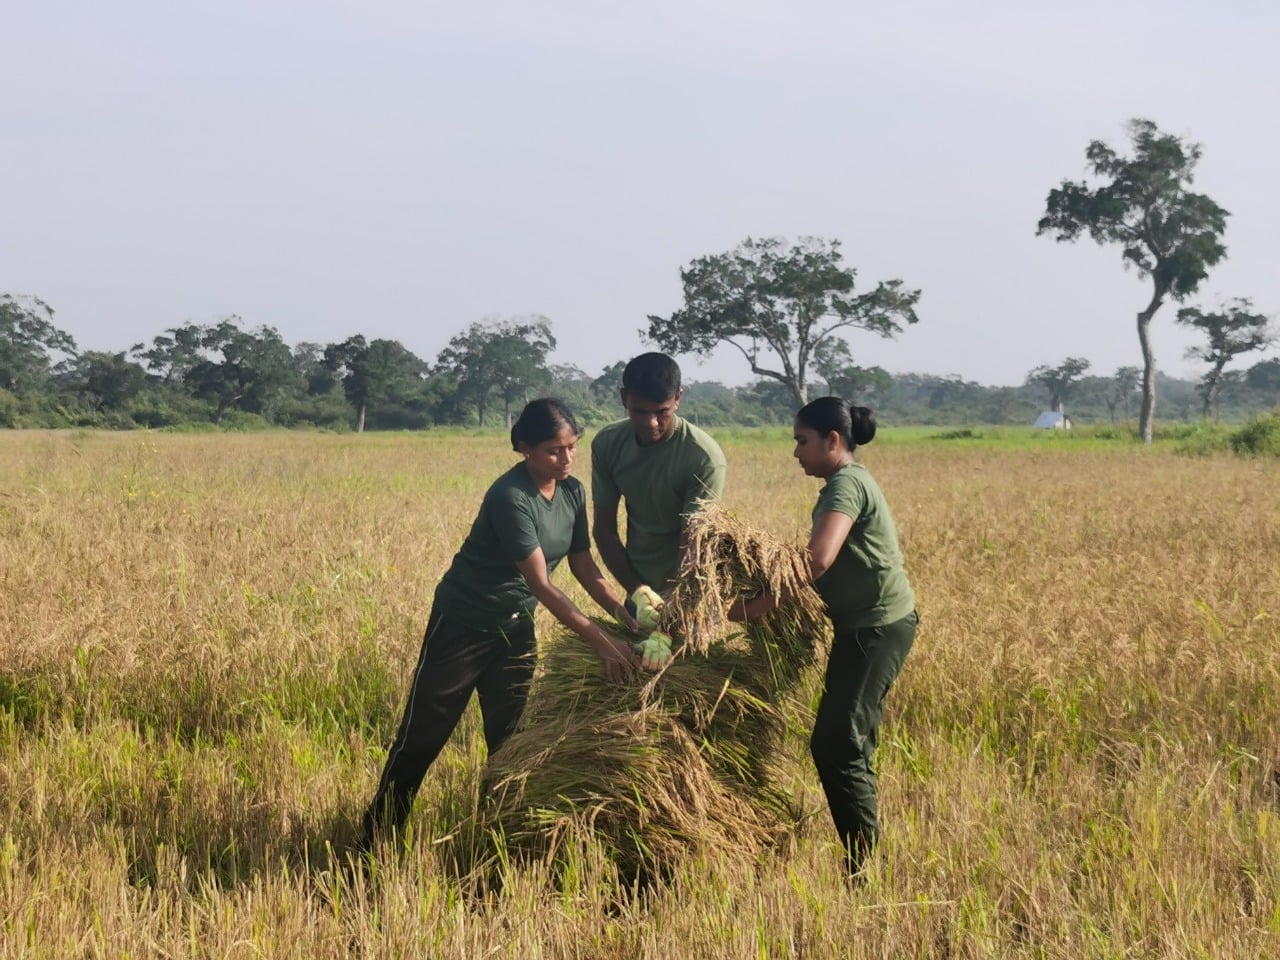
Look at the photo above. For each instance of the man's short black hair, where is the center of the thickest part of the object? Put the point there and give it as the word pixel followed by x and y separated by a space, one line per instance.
pixel 652 376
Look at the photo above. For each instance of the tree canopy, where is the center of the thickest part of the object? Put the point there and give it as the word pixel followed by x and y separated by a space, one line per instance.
pixel 778 304
pixel 1059 380
pixel 1234 329
pixel 28 343
pixel 502 362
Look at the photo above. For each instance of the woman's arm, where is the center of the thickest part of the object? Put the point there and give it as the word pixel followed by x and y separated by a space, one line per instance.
pixel 620 661
pixel 830 531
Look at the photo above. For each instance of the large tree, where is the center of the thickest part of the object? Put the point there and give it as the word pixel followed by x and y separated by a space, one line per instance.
pixel 1143 203
pixel 378 374
pixel 173 353
pixel 778 304
pixel 1231 330
pixel 499 362
pixel 248 370
pixel 28 343
pixel 1059 380
pixel 104 381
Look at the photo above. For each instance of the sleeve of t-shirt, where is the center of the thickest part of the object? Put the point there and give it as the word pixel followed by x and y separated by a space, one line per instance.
pixel 581 541
pixel 705 483
pixel 604 490
pixel 843 495
pixel 511 516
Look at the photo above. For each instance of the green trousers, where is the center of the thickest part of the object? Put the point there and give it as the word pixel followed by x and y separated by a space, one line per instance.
pixel 860 671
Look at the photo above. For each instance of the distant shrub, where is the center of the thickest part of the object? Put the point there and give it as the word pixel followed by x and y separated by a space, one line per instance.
pixel 1199 439
pixel 965 434
pixel 9 409
pixel 240 420
pixel 1259 437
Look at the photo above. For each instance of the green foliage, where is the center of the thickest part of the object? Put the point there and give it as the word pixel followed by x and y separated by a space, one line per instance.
pixel 28 342
pixel 766 299
pixel 1232 330
pixel 382 380
pixel 1199 439
pixel 500 363
pixel 1059 380
pixel 1260 436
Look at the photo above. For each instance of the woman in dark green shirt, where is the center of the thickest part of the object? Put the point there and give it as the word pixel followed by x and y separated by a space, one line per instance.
pixel 480 635
pixel 857 570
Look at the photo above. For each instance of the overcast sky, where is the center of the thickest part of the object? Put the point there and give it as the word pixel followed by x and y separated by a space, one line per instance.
pixel 401 169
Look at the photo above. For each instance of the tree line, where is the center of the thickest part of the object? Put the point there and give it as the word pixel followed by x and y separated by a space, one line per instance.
pixel 785 307
pixel 229 375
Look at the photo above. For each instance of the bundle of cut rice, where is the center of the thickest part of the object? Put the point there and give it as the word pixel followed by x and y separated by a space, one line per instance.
pixel 686 760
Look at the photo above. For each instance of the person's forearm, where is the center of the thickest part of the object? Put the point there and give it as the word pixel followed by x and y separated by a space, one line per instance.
pixel 615 558
pixel 563 609
pixel 598 589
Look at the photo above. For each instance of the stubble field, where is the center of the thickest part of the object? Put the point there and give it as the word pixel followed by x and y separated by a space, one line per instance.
pixel 205 643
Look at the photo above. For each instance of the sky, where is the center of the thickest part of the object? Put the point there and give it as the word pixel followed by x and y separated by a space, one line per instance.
pixel 403 169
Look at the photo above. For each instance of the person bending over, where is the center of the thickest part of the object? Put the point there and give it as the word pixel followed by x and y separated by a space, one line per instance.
pixel 480 634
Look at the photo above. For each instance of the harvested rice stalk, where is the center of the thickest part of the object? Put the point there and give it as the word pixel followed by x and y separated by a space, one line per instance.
pixel 727 559
pixel 687 759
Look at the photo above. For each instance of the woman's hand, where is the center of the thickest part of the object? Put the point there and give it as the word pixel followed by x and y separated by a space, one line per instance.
pixel 620 662
pixel 744 609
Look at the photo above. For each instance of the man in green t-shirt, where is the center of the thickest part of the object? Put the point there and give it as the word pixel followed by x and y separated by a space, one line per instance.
pixel 664 468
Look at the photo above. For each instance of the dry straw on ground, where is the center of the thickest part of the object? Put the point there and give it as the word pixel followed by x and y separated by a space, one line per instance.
pixel 685 762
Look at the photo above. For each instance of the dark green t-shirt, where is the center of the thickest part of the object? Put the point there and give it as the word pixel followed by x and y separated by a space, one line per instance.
pixel 866 586
pixel 662 484
pixel 482 588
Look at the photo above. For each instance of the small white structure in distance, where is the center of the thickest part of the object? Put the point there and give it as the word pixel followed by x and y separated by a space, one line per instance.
pixel 1049 420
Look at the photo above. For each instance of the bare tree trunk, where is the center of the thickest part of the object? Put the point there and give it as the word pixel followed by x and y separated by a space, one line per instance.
pixel 1147 414
pixel 1213 385
pixel 360 419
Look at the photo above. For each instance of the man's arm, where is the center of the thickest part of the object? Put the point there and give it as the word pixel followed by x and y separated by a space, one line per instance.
pixel 612 552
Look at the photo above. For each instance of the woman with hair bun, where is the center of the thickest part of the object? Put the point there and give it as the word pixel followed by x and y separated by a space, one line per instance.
pixel 480 635
pixel 857 569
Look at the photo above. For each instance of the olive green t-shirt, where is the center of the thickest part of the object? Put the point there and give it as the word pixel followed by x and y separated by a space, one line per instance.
pixel 866 586
pixel 482 588
pixel 662 485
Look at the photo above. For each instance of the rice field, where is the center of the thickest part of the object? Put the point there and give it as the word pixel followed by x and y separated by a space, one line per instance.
pixel 205 641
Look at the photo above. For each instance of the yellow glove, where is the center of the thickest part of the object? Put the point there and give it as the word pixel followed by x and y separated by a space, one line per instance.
pixel 645 605
pixel 655 651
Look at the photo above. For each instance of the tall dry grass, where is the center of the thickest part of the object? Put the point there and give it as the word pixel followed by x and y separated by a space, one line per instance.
pixel 205 642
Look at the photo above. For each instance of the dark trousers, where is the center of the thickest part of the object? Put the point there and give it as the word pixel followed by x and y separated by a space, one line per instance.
pixel 861 669
pixel 455 660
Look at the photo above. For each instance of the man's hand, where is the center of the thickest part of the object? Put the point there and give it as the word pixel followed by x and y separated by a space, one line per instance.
pixel 655 651
pixel 645 605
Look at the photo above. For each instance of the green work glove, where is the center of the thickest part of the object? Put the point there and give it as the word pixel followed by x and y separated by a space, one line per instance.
pixel 645 605
pixel 655 651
